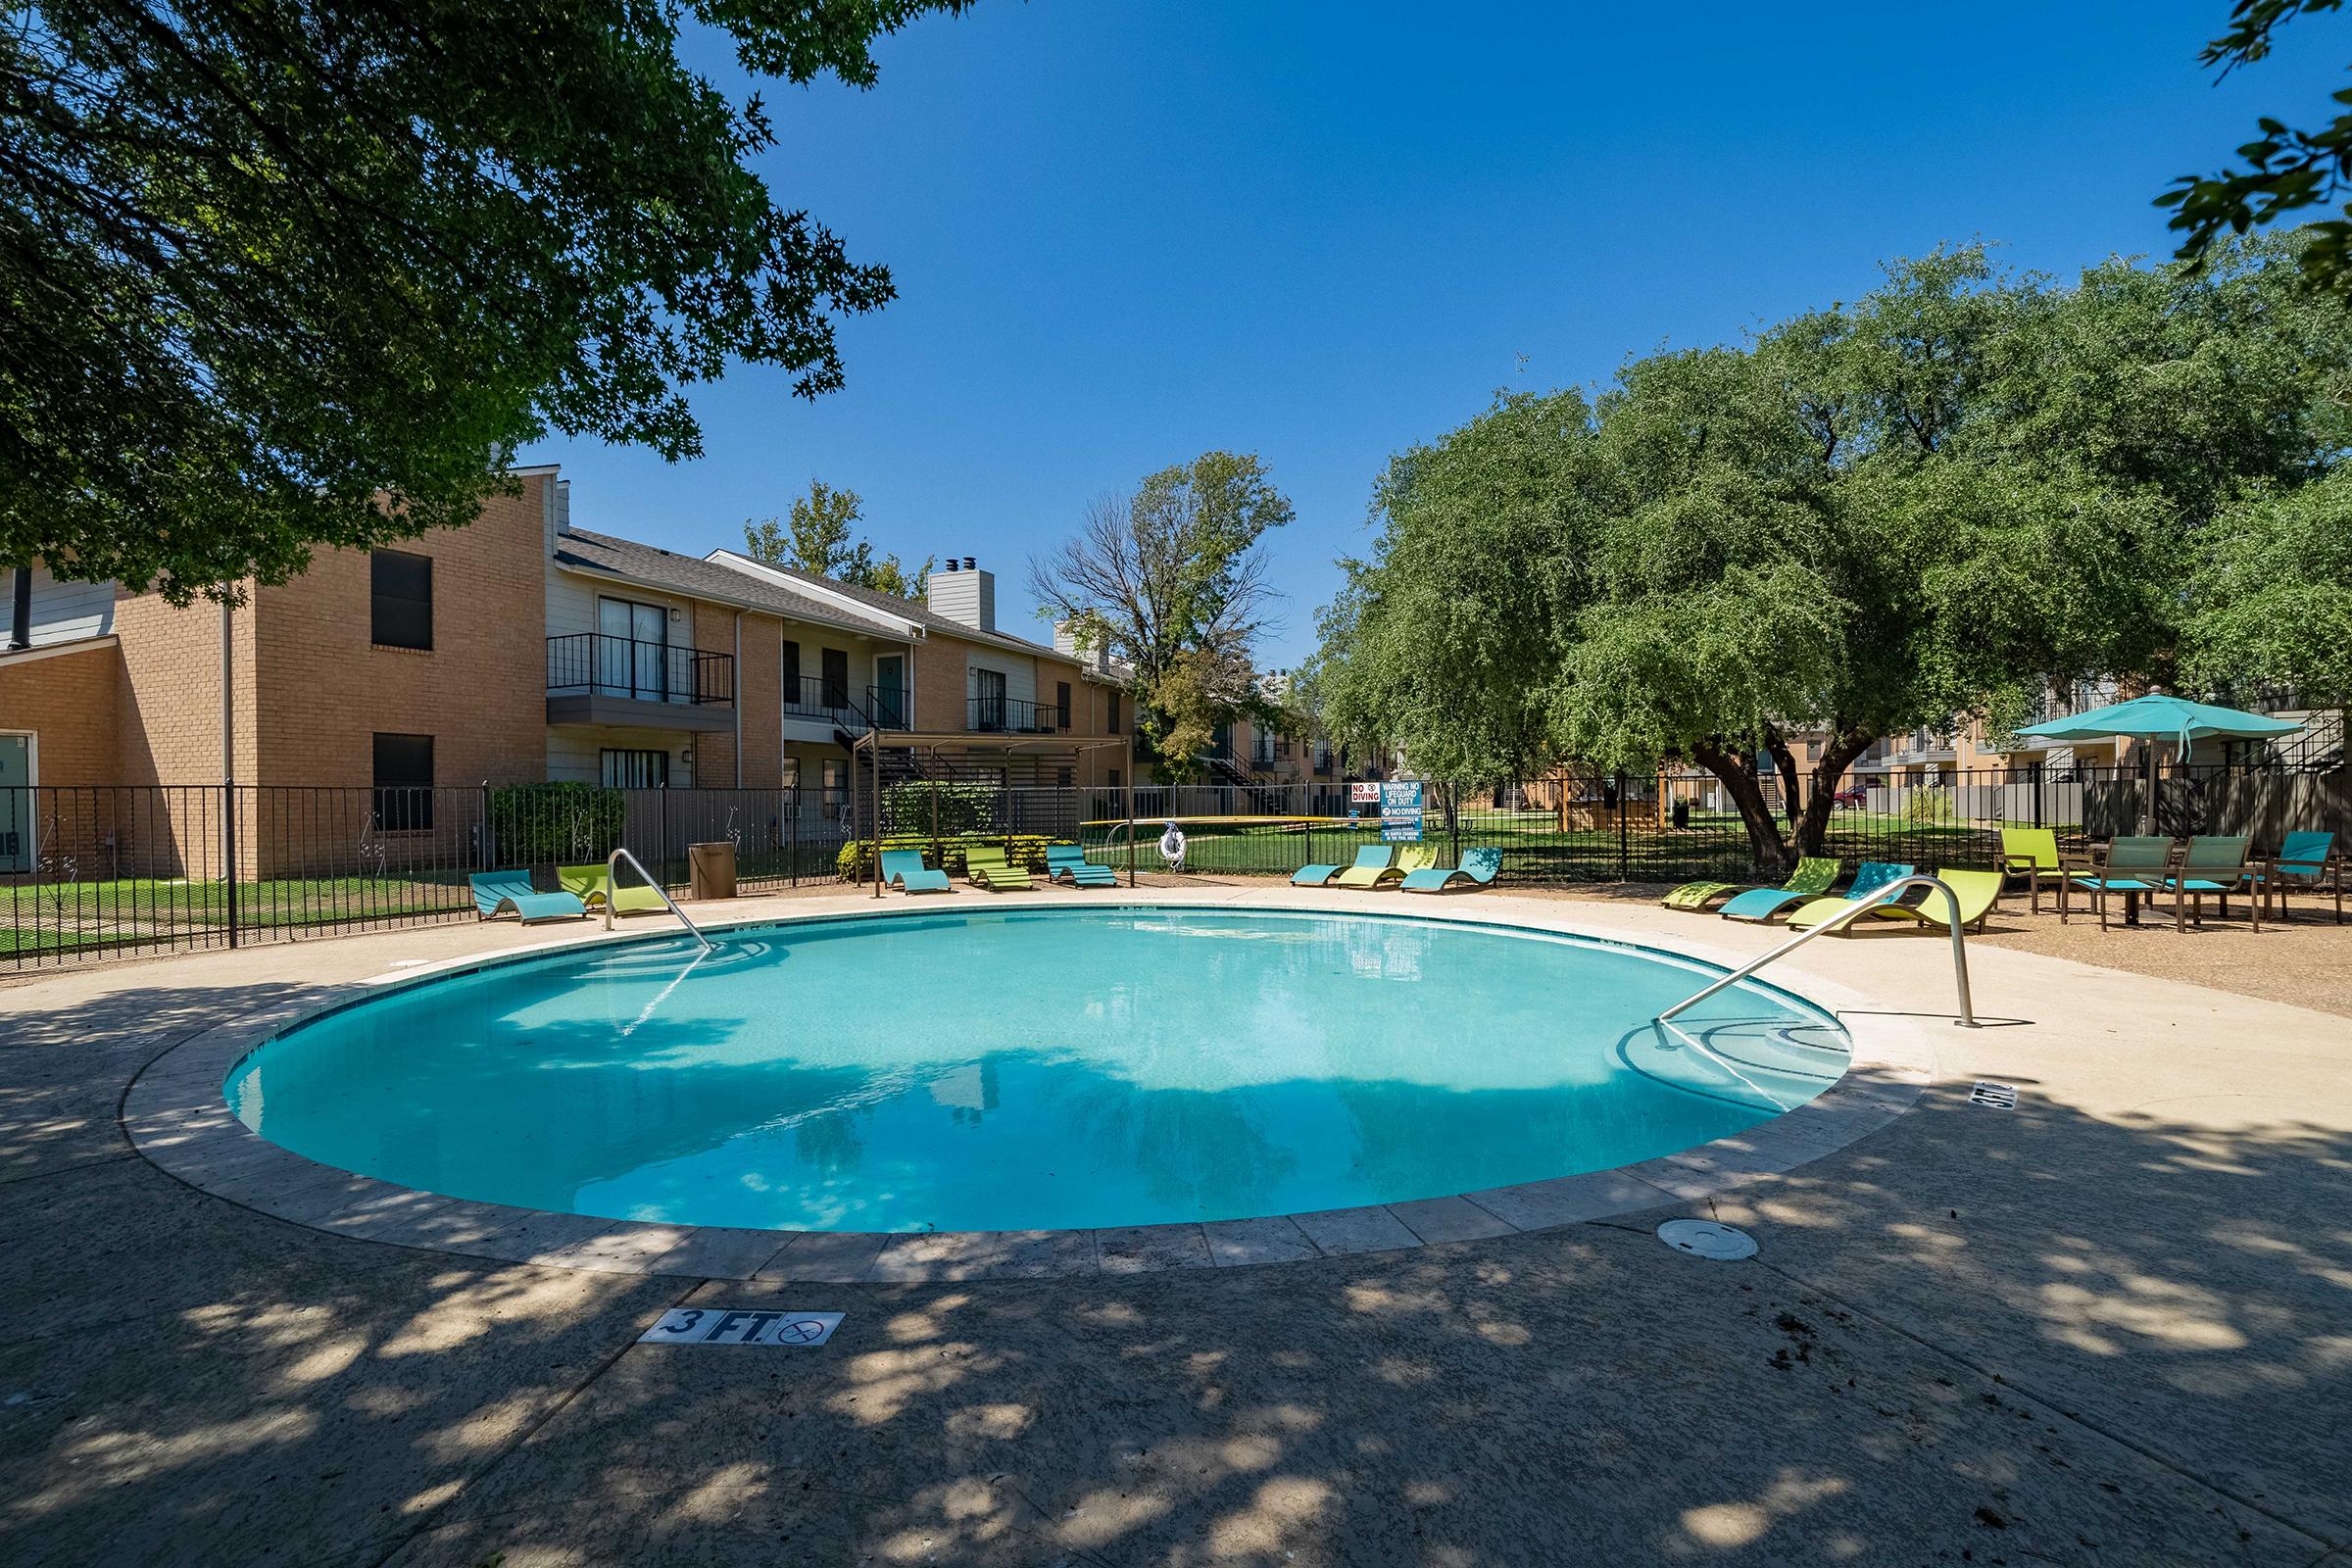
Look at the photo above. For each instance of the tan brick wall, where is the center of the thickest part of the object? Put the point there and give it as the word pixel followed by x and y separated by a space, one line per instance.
pixel 169 706
pixel 68 701
pixel 323 690
pixel 758 692
pixel 713 632
pixel 939 683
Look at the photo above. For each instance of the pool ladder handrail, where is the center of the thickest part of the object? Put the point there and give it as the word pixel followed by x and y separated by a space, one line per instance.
pixel 612 886
pixel 1884 894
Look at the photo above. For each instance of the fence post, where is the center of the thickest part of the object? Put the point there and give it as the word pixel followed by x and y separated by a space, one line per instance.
pixel 229 852
pixel 662 853
pixel 489 843
pixel 792 815
pixel 2037 768
pixel 1624 847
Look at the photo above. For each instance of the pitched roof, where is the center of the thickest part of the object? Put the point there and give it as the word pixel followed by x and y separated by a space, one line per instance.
pixel 702 579
pixel 914 609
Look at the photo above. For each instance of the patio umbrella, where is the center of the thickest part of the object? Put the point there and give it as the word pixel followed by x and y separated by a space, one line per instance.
pixel 2155 718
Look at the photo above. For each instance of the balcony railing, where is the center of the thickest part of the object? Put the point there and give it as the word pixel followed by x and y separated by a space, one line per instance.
pixel 815 697
pixel 890 709
pixel 592 664
pixel 1009 715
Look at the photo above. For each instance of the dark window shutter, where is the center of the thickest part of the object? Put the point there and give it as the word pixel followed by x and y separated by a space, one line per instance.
pixel 400 599
pixel 403 782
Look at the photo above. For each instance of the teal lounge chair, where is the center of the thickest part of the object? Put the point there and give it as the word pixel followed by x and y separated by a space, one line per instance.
pixel 904 870
pixel 497 893
pixel 1478 868
pixel 2135 867
pixel 1871 877
pixel 1765 905
pixel 1374 856
pixel 1815 873
pixel 2307 862
pixel 1068 859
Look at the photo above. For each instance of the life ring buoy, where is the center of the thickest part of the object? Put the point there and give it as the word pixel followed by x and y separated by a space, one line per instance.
pixel 1171 846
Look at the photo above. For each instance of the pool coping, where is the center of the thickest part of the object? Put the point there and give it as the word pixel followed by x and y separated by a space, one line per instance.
pixel 172 1113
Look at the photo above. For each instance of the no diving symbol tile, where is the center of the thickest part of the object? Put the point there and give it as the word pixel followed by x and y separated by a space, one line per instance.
pixel 713 1325
pixel 1998 1097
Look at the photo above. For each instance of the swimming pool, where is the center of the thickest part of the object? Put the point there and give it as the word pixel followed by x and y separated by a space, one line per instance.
pixel 1033 1070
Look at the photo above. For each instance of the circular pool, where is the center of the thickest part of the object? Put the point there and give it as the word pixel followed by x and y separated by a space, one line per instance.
pixel 1033 1070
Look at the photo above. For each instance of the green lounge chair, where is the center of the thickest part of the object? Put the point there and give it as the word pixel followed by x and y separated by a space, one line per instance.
pixel 904 870
pixel 1478 868
pixel 1315 876
pixel 2308 863
pixel 2032 854
pixel 1375 863
pixel 1814 875
pixel 1068 859
pixel 592 885
pixel 2133 867
pixel 2216 864
pixel 1979 892
pixel 986 864
pixel 497 893
pixel 1871 879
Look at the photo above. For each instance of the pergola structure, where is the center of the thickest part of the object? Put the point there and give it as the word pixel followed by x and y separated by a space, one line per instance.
pixel 870 744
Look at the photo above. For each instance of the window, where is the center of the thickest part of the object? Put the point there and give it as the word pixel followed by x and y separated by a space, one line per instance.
pixel 836 664
pixel 1061 705
pixel 635 770
pixel 633 651
pixel 988 699
pixel 1118 779
pixel 403 782
pixel 400 606
pixel 792 672
pixel 1115 712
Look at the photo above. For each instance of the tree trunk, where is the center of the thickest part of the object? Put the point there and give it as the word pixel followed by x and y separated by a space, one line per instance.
pixel 1845 743
pixel 1785 761
pixel 1738 771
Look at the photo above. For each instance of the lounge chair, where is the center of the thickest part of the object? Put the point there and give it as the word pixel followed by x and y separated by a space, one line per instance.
pixel 2135 867
pixel 1478 868
pixel 1315 876
pixel 2032 854
pixel 1375 863
pixel 2217 864
pixel 2308 863
pixel 986 864
pixel 1814 875
pixel 1871 879
pixel 904 870
pixel 1978 892
pixel 1068 859
pixel 593 886
pixel 497 893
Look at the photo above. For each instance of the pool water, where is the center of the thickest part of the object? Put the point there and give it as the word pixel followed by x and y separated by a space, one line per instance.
pixel 1033 1070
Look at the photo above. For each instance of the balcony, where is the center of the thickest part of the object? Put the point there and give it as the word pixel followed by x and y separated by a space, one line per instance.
pixel 815 696
pixel 890 709
pixel 1009 715
pixel 597 679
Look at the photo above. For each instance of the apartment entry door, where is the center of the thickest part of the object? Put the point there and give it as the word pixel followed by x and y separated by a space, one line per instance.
pixel 16 803
pixel 634 660
pixel 889 691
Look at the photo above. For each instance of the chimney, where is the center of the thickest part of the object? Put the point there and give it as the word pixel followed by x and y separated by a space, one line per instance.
pixel 1065 643
pixel 967 597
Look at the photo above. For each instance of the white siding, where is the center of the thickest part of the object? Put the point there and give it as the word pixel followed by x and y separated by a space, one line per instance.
pixel 1021 673
pixel 574 751
pixel 63 612
pixel 571 604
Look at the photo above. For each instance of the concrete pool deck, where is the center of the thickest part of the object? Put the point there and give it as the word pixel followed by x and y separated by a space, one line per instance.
pixel 2111 1325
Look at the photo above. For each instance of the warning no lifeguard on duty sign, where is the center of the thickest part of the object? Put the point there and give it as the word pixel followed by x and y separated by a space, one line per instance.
pixel 712 1325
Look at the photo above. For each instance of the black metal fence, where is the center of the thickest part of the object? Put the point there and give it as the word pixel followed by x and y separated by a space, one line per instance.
pixel 89 871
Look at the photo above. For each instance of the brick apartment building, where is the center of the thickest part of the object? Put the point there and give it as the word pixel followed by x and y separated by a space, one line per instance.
pixel 523 648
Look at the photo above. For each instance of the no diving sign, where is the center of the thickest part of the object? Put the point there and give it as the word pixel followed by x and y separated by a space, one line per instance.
pixel 711 1325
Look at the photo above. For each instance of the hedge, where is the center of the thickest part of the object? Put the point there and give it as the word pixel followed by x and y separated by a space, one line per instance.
pixel 855 864
pixel 535 824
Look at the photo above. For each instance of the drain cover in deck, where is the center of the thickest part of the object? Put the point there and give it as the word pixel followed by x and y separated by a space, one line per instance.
pixel 1703 1238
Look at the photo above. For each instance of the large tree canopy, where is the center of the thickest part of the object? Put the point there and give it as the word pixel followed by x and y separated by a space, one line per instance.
pixel 1941 500
pixel 267 264
pixel 820 536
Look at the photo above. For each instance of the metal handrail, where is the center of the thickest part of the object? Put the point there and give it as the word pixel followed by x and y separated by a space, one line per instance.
pixel 613 887
pixel 1884 894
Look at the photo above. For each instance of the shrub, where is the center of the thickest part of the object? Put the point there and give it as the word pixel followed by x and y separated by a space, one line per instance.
pixel 534 824
pixel 856 861
pixel 1928 803
pixel 961 807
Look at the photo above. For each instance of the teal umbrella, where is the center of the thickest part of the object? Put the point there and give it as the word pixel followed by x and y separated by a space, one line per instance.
pixel 2156 718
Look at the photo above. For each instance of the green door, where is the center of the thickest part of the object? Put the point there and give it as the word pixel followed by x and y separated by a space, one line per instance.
pixel 16 803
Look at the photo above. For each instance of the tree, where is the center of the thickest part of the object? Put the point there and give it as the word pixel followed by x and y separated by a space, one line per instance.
pixel 289 274
pixel 1172 582
pixel 2274 594
pixel 2284 171
pixel 818 537
pixel 1937 501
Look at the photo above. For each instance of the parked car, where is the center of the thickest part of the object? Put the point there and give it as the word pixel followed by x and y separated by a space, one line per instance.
pixel 1851 795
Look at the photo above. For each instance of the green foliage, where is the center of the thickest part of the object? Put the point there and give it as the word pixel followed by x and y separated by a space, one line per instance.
pixel 1171 580
pixel 818 537
pixel 2275 594
pixel 555 823
pixel 856 860
pixel 1943 499
pixel 2285 169
pixel 283 273
pixel 924 806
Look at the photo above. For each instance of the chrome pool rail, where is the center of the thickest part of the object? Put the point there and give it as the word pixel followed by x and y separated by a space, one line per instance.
pixel 612 886
pixel 1886 895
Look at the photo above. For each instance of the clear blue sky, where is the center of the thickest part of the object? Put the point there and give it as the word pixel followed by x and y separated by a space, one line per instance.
pixel 1126 233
